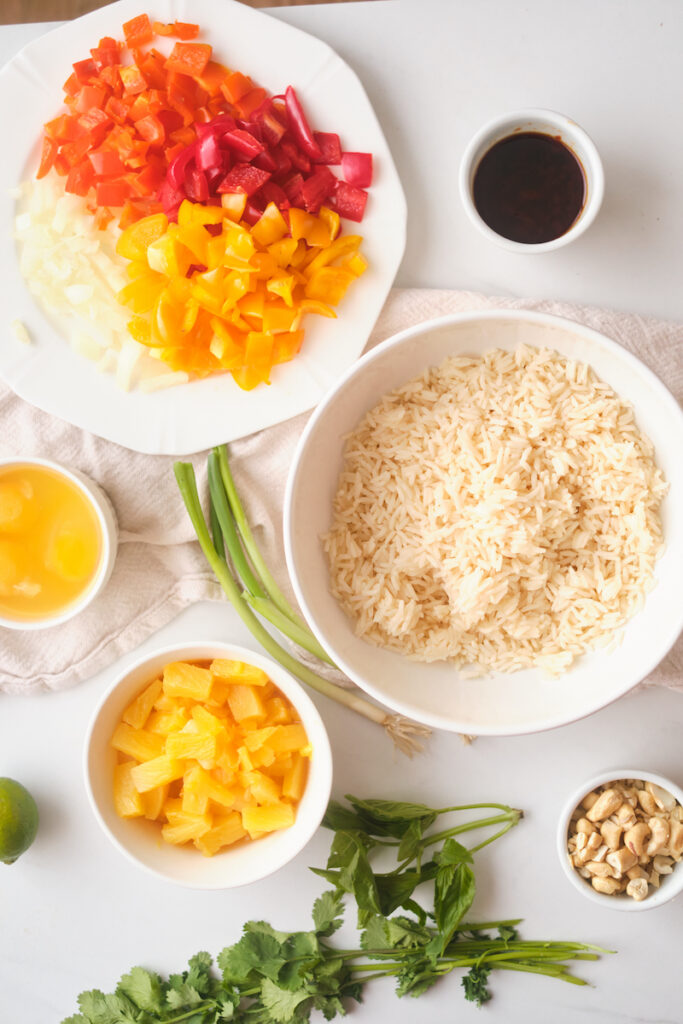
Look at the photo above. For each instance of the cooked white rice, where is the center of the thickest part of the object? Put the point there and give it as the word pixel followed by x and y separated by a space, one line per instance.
pixel 501 512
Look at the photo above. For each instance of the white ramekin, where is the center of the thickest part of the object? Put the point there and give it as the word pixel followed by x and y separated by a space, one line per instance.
pixel 551 123
pixel 106 518
pixel 140 840
pixel 670 885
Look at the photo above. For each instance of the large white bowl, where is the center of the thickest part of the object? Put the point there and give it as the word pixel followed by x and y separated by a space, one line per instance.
pixel 141 841
pixel 436 694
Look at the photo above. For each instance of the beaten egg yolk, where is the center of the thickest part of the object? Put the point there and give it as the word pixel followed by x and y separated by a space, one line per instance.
pixel 50 542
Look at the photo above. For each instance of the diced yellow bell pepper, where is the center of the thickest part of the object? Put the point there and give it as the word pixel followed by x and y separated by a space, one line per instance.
pixel 270 227
pixel 283 285
pixel 287 345
pixel 283 251
pixel 329 284
pixel 234 204
pixel 137 237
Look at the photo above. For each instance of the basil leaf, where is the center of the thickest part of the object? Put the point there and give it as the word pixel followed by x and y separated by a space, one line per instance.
pixel 454 889
pixel 391 810
pixel 349 854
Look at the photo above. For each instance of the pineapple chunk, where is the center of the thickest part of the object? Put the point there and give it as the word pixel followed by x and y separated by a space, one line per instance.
pixel 238 672
pixel 136 743
pixel 288 738
pixel 207 722
pixel 267 819
pixel 219 693
pixel 262 758
pixel 183 828
pixel 257 737
pixel 245 702
pixel 164 703
pixel 137 713
pixel 156 772
pixel 263 789
pixel 183 680
pixel 294 782
pixel 194 800
pixel 153 802
pixel 278 711
pixel 198 745
pixel 127 800
pixel 280 766
pixel 225 832
pixel 165 722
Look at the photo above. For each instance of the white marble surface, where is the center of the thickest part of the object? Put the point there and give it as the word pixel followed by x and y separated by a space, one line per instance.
pixel 74 914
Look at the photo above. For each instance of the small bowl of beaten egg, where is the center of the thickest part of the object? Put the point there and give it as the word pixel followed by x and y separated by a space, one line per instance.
pixel 208 765
pixel 58 540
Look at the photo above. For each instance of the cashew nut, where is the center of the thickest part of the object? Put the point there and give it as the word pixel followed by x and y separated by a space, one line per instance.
pixel 599 868
pixel 636 872
pixel 611 833
pixel 606 804
pixel 636 838
pixel 584 825
pixel 622 860
pixel 662 865
pixel 647 801
pixel 625 816
pixel 637 888
pixel 608 886
pixel 589 800
pixel 654 878
pixel 664 800
pixel 660 836
pixel 676 840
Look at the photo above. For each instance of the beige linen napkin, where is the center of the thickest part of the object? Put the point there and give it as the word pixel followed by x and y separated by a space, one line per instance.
pixel 160 570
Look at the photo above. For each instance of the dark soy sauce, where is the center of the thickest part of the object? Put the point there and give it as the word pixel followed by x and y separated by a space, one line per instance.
pixel 529 187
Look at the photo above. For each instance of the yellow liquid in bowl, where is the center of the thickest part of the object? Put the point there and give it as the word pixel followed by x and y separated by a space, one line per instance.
pixel 50 542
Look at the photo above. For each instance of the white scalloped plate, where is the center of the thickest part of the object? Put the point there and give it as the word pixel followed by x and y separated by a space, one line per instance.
pixel 191 417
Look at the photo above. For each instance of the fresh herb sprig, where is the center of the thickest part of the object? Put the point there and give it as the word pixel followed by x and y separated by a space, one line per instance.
pixel 231 551
pixel 272 977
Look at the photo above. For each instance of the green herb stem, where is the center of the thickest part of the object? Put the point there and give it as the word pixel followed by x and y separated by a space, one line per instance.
pixel 271 587
pixel 298 634
pixel 187 484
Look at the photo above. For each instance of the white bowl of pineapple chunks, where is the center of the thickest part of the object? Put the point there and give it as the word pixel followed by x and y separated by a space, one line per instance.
pixel 208 765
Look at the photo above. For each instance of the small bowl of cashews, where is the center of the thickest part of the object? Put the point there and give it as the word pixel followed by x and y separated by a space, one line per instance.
pixel 620 839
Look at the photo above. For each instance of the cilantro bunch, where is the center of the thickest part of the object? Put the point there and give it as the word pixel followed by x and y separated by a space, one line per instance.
pixel 273 977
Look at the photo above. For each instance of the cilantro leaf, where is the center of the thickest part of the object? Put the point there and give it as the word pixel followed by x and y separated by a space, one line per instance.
pixel 99 1008
pixel 454 889
pixel 328 910
pixel 257 954
pixel 143 988
pixel 280 1002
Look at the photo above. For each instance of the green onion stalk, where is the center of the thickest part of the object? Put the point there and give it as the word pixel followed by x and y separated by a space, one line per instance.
pixel 235 559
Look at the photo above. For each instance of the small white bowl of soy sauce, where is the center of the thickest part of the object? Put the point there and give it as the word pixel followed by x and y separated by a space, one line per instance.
pixel 531 181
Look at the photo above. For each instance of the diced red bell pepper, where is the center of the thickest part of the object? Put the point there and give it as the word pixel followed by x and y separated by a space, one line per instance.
pixel 72 85
pixel 299 126
pixel 272 193
pixel 284 164
pixel 133 80
pixel 47 156
pixel 84 70
pixel 107 53
pixel 138 31
pixel 357 169
pixel 244 143
pixel 349 201
pixel 330 147
pixel 151 129
pixel 317 188
pixel 90 96
pixel 292 188
pixel 189 58
pixel 272 127
pixel 170 198
pixel 79 179
pixel 244 178
pixel 196 185
pixel 106 163
pixel 236 86
pixel 112 193
pixel 179 29
pixel 299 159
pixel 117 110
pixel 265 161
pixel 252 213
pixel 209 155
pixel 251 102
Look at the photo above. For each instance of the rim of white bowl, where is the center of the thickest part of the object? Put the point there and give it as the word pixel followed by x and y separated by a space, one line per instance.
pixel 427 718
pixel 300 700
pixel 505 124
pixel 106 517
pixel 671 885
